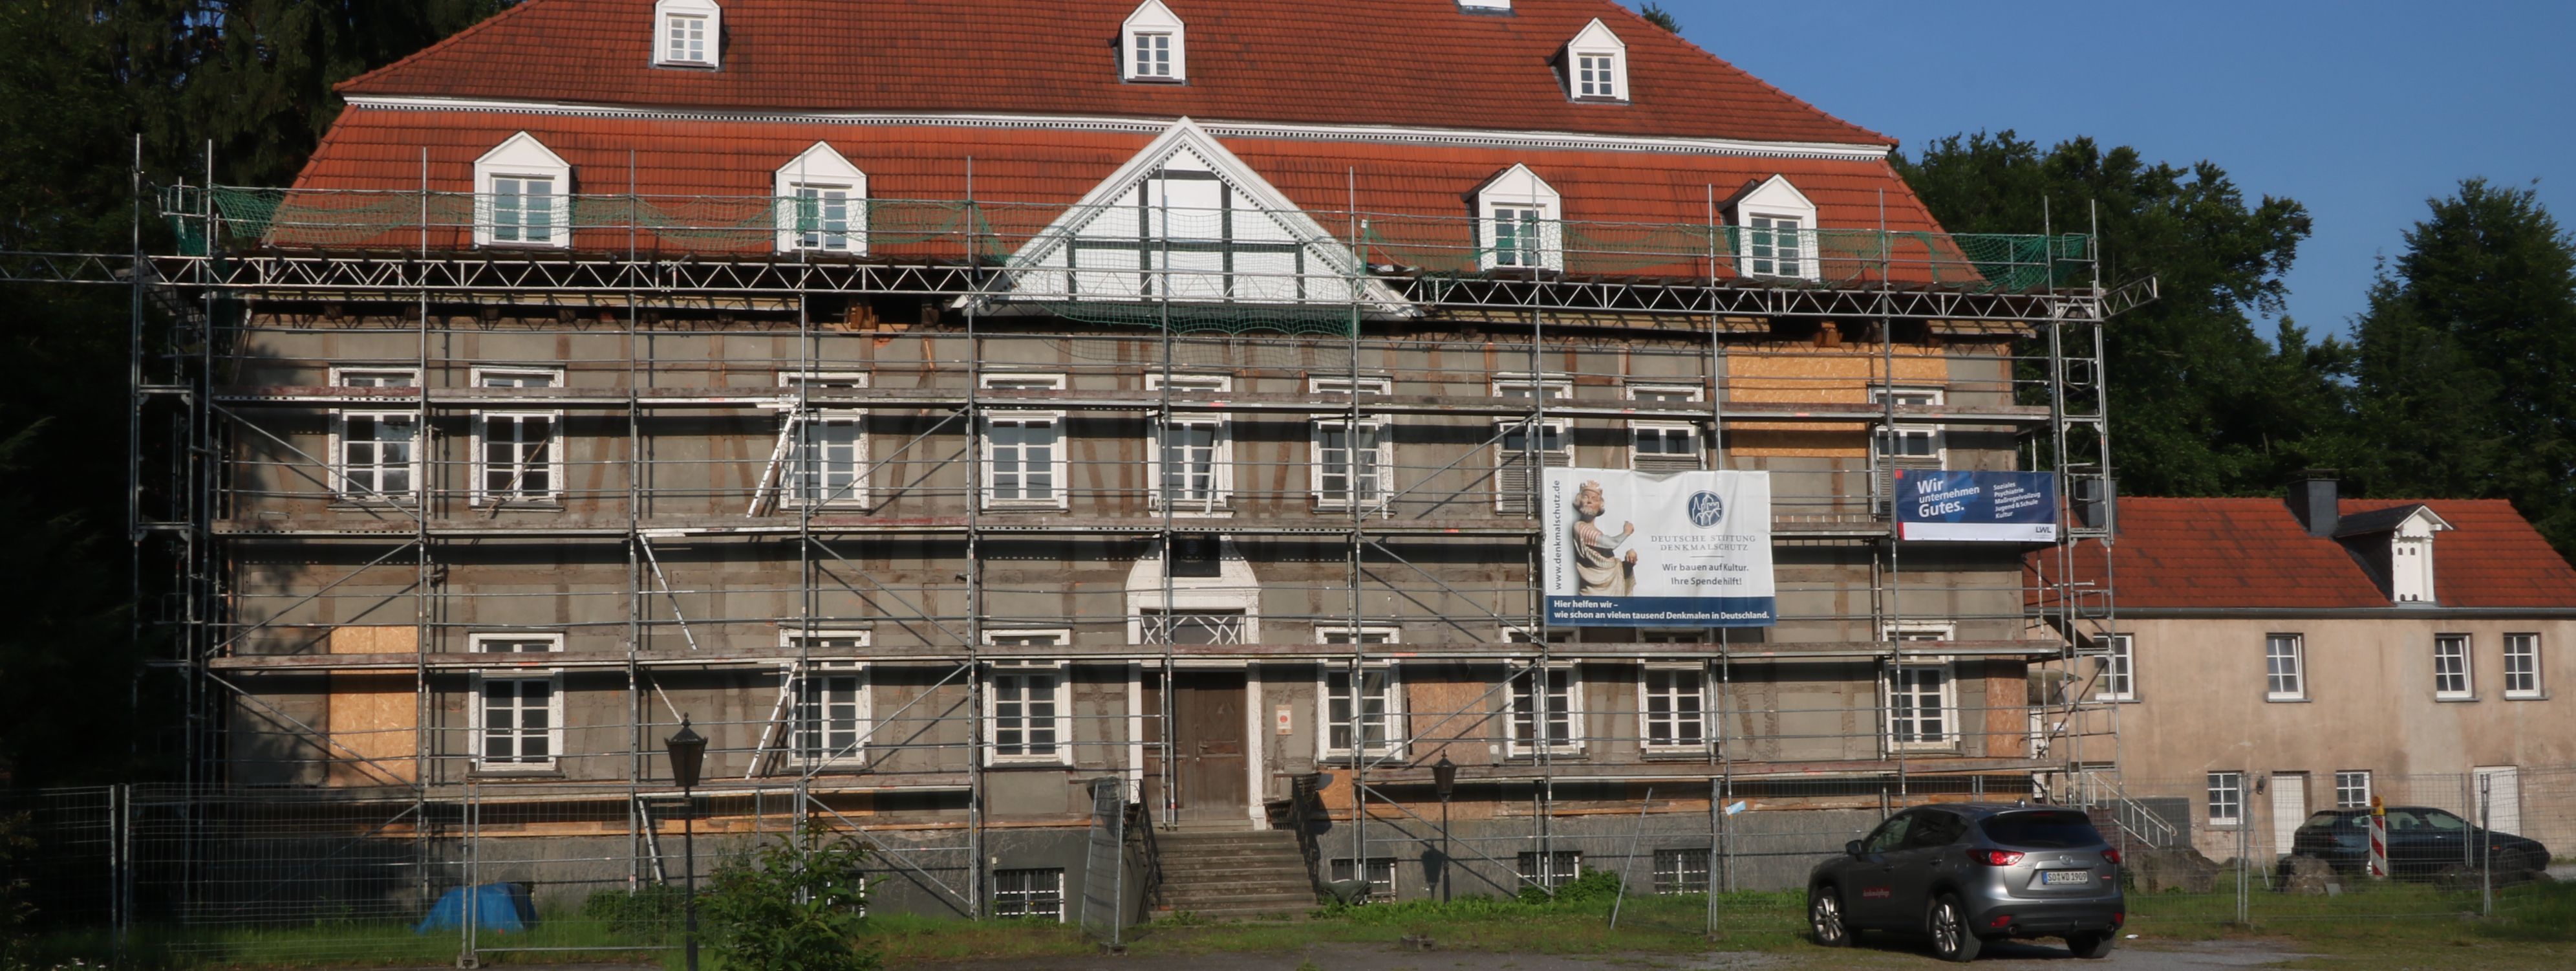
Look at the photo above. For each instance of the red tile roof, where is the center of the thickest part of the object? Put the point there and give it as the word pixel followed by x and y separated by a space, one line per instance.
pixel 2216 553
pixel 1419 63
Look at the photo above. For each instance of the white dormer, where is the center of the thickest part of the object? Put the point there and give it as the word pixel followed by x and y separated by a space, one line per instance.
pixel 1775 230
pixel 522 195
pixel 686 33
pixel 1596 64
pixel 1497 6
pixel 1152 44
pixel 822 204
pixel 1519 222
pixel 2410 557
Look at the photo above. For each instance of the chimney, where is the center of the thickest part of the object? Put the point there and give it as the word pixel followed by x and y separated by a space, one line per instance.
pixel 2313 501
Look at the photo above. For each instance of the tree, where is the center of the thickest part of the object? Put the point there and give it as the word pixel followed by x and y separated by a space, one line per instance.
pixel 1655 14
pixel 2200 404
pixel 2466 373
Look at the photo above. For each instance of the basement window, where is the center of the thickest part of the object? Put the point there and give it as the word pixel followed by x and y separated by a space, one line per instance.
pixel 687 33
pixel 1037 894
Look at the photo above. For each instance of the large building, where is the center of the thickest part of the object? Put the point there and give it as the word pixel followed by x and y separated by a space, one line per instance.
pixel 945 406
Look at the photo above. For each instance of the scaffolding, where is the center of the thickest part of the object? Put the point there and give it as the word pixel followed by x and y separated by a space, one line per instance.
pixel 1832 351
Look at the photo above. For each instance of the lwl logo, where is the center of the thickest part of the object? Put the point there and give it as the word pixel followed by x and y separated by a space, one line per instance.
pixel 1706 509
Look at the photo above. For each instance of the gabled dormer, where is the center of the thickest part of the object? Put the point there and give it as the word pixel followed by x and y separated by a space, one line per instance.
pixel 687 33
pixel 2396 544
pixel 1153 46
pixel 1519 222
pixel 1596 64
pixel 1775 230
pixel 522 195
pixel 822 204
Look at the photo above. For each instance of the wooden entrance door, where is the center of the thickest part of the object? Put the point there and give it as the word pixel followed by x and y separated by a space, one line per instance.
pixel 1209 750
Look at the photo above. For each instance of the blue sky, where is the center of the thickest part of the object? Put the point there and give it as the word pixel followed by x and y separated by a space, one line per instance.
pixel 2360 110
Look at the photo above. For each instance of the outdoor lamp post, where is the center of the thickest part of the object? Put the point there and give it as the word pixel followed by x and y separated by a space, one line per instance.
pixel 688 750
pixel 1444 778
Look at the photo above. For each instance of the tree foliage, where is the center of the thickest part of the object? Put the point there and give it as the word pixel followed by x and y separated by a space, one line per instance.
pixel 1655 14
pixel 793 907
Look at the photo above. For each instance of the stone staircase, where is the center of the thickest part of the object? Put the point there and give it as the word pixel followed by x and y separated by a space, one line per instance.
pixel 1233 874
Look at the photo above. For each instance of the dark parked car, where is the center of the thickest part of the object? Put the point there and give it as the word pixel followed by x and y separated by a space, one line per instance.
pixel 1967 874
pixel 2421 842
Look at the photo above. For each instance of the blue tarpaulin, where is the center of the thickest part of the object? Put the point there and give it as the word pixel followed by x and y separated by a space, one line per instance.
pixel 501 907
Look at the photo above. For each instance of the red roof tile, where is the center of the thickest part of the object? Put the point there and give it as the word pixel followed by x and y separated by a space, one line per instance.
pixel 1419 63
pixel 2216 553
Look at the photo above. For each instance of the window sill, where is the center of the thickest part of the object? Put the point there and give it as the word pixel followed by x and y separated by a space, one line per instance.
pixel 1220 512
pixel 2541 696
pixel 1676 754
pixel 1526 756
pixel 1045 763
pixel 365 505
pixel 519 505
pixel 2450 699
pixel 530 247
pixel 707 66
pixel 1167 82
pixel 497 772
pixel 2284 700
pixel 1039 506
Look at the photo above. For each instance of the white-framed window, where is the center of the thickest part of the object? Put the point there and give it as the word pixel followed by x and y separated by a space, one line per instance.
pixel 2119 680
pixel 1024 453
pixel 2451 675
pixel 1380 871
pixel 2352 788
pixel 822 203
pixel 1911 444
pixel 1681 871
pixel 1922 706
pixel 1192 464
pixel 1514 482
pixel 1673 706
pixel 829 723
pixel 687 33
pixel 822 454
pixel 1546 708
pixel 1363 712
pixel 1776 231
pixel 523 195
pixel 1155 44
pixel 1664 446
pixel 1550 870
pixel 1520 222
pixel 1030 894
pixel 375 455
pixel 1354 463
pixel 2285 667
pixel 1028 712
pixel 517 713
pixel 1596 63
pixel 518 455
pixel 2226 801
pixel 2522 666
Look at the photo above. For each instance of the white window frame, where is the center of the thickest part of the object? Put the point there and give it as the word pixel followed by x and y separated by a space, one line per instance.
pixel 1391 744
pixel 1528 675
pixel 480 492
pixel 2231 783
pixel 1776 206
pixel 1881 437
pixel 1521 206
pixel 790 477
pixel 1646 696
pixel 2522 670
pixel 553 677
pixel 1688 871
pixel 1220 490
pixel 1027 894
pixel 1688 430
pixel 2119 680
pixel 2278 686
pixel 1375 500
pixel 1610 82
pixel 1061 697
pixel 1058 460
pixel 2444 688
pixel 1909 669
pixel 668 53
pixel 1507 498
pixel 2352 788
pixel 820 169
pixel 1153 20
pixel 342 483
pixel 522 157
pixel 798 706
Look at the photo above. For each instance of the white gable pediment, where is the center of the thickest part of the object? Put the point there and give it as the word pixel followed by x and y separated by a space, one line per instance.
pixel 1775 195
pixel 1186 220
pixel 521 154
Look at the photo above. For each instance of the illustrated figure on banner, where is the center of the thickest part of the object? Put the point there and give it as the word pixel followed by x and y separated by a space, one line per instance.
pixel 1598 567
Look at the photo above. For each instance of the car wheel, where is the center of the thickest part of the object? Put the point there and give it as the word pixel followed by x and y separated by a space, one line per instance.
pixel 2093 944
pixel 1825 917
pixel 1951 938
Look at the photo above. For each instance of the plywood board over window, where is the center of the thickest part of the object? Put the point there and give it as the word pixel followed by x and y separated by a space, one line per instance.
pixel 373 720
pixel 1798 373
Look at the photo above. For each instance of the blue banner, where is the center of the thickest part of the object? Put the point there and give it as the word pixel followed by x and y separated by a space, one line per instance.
pixel 1976 507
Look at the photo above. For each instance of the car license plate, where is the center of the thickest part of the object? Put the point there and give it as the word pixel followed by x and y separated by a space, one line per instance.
pixel 2057 878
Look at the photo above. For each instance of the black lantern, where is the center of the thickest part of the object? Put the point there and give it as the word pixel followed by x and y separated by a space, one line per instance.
pixel 1444 776
pixel 688 751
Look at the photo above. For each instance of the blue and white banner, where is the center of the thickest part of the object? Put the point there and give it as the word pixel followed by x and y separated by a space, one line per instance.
pixel 1676 549
pixel 1976 507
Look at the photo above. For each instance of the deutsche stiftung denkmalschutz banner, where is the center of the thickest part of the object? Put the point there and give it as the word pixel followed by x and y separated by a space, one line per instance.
pixel 1989 507
pixel 1675 549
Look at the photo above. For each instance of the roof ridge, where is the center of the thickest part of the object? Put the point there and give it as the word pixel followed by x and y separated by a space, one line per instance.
pixel 442 44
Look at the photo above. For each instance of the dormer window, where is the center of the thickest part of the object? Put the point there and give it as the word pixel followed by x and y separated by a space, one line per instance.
pixel 2406 559
pixel 522 195
pixel 1521 221
pixel 822 204
pixel 1596 65
pixel 1153 45
pixel 1775 231
pixel 686 33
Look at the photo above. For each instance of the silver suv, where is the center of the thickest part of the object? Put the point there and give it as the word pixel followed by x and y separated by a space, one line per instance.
pixel 1968 873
